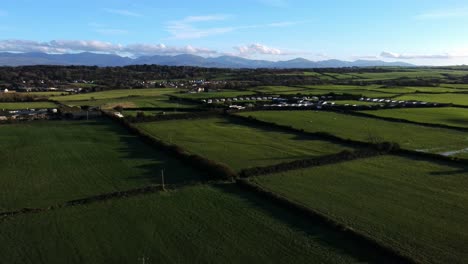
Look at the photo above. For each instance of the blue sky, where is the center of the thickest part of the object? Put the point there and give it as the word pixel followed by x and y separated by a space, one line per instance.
pixel 428 32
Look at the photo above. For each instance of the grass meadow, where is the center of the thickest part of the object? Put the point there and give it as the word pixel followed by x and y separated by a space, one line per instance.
pixel 237 144
pixel 410 136
pixel 200 224
pixel 417 207
pixel 49 162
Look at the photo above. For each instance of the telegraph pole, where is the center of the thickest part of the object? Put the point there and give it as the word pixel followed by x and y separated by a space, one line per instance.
pixel 162 180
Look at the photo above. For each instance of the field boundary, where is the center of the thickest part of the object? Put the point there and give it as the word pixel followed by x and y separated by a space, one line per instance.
pixel 181 116
pixel 213 169
pixel 349 232
pixel 402 120
pixel 333 138
pixel 87 200
pixel 313 162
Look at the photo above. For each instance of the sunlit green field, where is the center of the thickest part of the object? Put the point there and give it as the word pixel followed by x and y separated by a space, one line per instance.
pixel 26 105
pixel 417 207
pixel 221 94
pixel 49 162
pixel 133 102
pixel 428 139
pixel 237 144
pixel 446 116
pixel 460 99
pixel 117 94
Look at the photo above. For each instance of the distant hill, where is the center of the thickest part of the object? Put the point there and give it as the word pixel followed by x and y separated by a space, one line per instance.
pixel 91 59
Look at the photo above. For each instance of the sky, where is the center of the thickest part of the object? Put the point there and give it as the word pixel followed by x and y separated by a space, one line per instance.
pixel 423 32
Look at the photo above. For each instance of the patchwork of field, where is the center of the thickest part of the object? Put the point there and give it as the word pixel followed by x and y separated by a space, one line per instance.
pixel 117 94
pixel 49 162
pixel 450 116
pixel 237 144
pixel 192 225
pixel 26 105
pixel 410 136
pixel 416 207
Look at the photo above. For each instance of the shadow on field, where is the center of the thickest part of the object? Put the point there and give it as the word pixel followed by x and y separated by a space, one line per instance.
pixel 267 128
pixel 153 160
pixel 454 168
pixel 458 121
pixel 317 231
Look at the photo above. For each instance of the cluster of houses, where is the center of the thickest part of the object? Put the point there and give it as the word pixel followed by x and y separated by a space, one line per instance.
pixel 27 114
pixel 192 85
pixel 237 99
pixel 395 103
pixel 315 102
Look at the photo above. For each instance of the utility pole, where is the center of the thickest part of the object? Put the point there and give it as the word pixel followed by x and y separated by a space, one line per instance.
pixel 162 180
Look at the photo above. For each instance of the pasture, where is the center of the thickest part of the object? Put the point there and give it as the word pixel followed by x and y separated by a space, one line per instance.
pixel 237 144
pixel 110 94
pixel 49 162
pixel 199 224
pixel 417 207
pixel 410 136
pixel 450 116
pixel 26 105
pixel 133 102
pixel 447 98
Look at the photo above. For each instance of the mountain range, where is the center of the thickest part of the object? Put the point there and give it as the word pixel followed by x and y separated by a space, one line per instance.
pixel 95 59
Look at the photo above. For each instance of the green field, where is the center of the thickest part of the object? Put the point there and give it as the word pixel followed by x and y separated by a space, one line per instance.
pixel 435 140
pixel 237 144
pixel 446 116
pixel 277 89
pixel 368 90
pixel 192 225
pixel 401 74
pixel 117 94
pixel 47 94
pixel 460 99
pixel 133 102
pixel 49 162
pixel 222 94
pixel 417 207
pixel 26 105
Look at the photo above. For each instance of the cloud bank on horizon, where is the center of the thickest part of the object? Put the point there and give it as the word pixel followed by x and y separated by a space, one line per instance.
pixel 429 33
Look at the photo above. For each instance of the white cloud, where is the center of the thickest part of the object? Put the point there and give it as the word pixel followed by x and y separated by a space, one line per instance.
pixel 443 14
pixel 186 28
pixel 189 27
pixel 70 46
pixel 122 12
pixel 254 49
pixel 152 49
pixel 260 49
pixel 443 56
